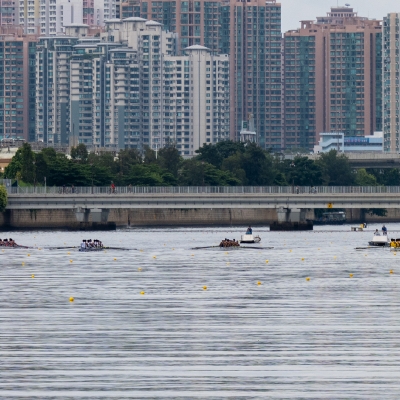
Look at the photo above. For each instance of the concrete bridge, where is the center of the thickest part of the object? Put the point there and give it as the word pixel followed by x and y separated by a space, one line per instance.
pixel 204 198
pixel 363 160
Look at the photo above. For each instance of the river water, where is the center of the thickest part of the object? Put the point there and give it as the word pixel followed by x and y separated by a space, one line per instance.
pixel 330 337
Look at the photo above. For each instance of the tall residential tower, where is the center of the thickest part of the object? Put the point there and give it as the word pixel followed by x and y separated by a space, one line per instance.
pixel 332 78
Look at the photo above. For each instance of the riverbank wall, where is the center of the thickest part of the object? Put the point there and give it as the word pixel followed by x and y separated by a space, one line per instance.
pixel 66 219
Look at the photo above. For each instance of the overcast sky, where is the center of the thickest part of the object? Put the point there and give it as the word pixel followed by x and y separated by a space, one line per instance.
pixel 294 11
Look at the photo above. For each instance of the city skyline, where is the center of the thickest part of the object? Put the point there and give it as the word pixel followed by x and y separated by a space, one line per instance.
pixel 294 11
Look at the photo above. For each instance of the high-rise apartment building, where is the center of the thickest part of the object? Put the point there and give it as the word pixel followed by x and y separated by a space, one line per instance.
pixel 29 16
pixel 127 88
pixel 53 85
pixel 88 12
pixel 9 12
pixel 250 32
pixel 255 28
pixel 17 84
pixel 391 83
pixel 332 78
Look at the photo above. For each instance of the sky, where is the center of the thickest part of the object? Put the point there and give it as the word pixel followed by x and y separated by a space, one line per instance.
pixel 294 11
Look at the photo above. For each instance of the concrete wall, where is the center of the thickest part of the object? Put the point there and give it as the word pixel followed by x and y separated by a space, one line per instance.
pixel 65 219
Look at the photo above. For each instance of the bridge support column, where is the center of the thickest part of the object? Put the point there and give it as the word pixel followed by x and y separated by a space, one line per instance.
pixel 99 219
pixel 291 219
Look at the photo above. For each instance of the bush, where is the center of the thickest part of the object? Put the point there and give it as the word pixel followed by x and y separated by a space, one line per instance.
pixel 3 198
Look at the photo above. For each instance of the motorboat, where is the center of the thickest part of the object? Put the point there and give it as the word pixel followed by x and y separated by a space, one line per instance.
pixel 250 238
pixel 379 241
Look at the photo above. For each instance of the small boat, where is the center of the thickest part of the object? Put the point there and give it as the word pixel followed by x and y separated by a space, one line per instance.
pixel 91 249
pixel 250 238
pixel 379 241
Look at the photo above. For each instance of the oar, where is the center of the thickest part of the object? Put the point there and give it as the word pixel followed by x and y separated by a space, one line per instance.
pixel 117 248
pixel 61 248
pixel 371 248
pixel 207 247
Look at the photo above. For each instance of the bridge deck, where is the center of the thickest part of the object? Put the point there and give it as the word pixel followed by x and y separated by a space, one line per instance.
pixel 203 200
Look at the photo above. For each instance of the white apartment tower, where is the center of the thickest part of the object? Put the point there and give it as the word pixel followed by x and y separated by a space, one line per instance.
pixel 127 89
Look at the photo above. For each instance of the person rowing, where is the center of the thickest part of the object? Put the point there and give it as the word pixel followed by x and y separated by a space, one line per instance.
pixel 83 244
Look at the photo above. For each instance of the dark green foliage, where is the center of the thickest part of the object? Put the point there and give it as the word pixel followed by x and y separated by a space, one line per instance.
pixel 221 164
pixel 301 172
pixel 79 153
pixel 336 169
pixel 3 198
pixel 169 159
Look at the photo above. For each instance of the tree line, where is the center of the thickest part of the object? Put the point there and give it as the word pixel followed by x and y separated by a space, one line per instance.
pixel 222 164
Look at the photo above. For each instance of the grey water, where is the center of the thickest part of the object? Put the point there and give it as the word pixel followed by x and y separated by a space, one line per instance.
pixel 211 324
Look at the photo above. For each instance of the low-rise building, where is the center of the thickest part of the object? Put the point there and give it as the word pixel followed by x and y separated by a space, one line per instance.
pixel 349 144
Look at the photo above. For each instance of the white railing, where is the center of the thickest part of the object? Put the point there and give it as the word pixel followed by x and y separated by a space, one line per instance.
pixel 127 190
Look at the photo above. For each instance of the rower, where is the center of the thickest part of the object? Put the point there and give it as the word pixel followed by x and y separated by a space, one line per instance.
pixel 6 243
pixel 12 243
pixel 83 244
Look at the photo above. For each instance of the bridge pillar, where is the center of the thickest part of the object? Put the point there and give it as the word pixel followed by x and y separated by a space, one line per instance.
pixel 291 219
pixel 99 219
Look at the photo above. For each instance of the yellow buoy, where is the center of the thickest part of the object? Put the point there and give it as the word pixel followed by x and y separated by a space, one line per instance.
pixel 334 257
pixel 142 292
pixel 290 251
pixel 228 263
pixel 115 259
pixel 173 249
pixel 391 271
pixel 28 255
pixel 141 250
pixel 69 252
pixel 266 261
pixel 307 279
pixel 23 263
pixel 319 249
pixel 154 257
pixel 33 276
pixel 351 275
pixel 204 287
pixel 258 283
pixel 192 255
pixel 226 252
pixel 71 299
pixel 70 261
pixel 302 259
pixel 139 269
pixel 394 254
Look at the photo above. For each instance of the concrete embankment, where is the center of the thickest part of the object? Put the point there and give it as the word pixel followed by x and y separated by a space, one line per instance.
pixel 66 219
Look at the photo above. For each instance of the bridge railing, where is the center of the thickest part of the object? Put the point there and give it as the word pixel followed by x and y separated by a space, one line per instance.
pixel 132 190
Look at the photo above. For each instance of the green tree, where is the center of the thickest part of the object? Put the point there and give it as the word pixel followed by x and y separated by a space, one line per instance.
pixel 28 167
pixel 258 165
pixel 80 153
pixel 200 173
pixel 302 171
pixel 14 168
pixel 3 198
pixel 149 156
pixel 145 175
pixel 234 164
pixel 215 154
pixel 170 159
pixel 336 169
pixel 363 178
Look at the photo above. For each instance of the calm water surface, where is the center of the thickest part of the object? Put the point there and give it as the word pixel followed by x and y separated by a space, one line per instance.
pixel 332 337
